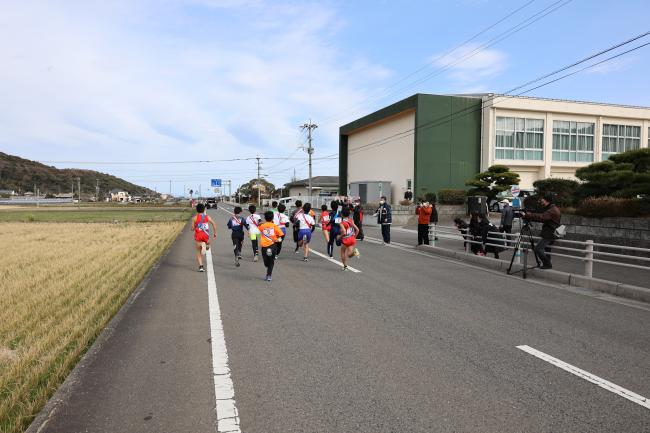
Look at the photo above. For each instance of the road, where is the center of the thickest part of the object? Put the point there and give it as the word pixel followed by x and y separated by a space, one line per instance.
pixel 410 343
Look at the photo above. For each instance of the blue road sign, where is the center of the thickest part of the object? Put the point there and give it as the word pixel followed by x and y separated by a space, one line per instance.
pixel 216 182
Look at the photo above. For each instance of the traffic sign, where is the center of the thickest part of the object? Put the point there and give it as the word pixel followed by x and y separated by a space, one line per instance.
pixel 515 190
pixel 215 182
pixel 217 190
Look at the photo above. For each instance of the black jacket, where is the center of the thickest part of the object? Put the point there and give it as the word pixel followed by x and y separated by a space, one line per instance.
pixel 550 219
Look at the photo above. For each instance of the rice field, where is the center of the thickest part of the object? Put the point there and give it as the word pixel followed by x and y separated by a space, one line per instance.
pixel 60 284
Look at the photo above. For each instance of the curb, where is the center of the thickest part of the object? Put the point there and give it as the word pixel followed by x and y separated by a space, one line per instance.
pixel 612 287
pixel 68 385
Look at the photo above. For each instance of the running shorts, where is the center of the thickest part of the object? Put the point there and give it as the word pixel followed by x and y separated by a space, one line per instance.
pixel 201 236
pixel 349 242
pixel 255 236
pixel 304 234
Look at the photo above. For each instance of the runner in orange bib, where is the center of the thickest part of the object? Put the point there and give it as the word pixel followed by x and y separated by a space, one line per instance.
pixel 270 234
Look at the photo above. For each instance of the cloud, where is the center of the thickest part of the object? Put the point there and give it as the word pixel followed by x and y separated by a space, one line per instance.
pixel 615 65
pixel 201 79
pixel 470 66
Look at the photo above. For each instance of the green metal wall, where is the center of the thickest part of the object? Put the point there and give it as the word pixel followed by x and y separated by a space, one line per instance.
pixel 447 142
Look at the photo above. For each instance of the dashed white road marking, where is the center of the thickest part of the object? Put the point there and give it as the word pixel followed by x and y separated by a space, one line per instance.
pixel 330 259
pixel 224 392
pixel 609 386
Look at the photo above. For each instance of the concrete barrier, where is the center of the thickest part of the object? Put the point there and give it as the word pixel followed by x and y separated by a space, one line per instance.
pixel 564 278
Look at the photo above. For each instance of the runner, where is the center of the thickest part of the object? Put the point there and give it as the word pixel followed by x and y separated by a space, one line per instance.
pixel 281 220
pixel 236 223
pixel 305 227
pixel 348 235
pixel 292 218
pixel 335 221
pixel 201 229
pixel 270 235
pixel 324 221
pixel 252 223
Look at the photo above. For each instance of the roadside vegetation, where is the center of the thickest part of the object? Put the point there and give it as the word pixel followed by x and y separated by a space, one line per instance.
pixel 93 214
pixel 60 284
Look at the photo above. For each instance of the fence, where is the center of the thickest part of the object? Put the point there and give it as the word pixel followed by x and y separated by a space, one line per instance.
pixel 588 252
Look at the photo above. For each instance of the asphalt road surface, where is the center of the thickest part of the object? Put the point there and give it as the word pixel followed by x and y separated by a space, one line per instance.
pixel 410 343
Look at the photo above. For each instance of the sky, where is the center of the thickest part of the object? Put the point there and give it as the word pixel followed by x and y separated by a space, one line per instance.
pixel 128 87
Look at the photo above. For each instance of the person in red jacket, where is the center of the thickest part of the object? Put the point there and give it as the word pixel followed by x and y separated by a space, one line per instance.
pixel 423 211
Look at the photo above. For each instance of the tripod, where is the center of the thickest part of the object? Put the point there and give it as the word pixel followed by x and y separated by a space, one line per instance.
pixel 525 235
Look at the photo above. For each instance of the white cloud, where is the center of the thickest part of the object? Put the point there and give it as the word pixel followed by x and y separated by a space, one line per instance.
pixel 202 79
pixel 470 67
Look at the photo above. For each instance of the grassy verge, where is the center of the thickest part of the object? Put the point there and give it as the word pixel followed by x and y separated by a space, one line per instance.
pixel 94 214
pixel 60 284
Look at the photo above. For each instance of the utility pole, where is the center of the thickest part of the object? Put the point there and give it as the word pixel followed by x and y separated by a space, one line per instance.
pixel 259 190
pixel 170 187
pixel 309 126
pixel 96 190
pixel 79 190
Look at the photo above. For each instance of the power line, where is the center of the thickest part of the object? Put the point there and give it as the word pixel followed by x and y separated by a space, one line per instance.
pixel 498 38
pixel 439 57
pixel 470 110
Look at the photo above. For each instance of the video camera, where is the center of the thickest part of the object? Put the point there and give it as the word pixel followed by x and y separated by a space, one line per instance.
pixel 519 213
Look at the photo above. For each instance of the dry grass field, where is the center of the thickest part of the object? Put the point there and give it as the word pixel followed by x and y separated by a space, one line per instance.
pixel 60 283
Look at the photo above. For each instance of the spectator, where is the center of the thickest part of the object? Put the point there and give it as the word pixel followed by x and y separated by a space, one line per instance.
pixel 550 219
pixel 475 234
pixel 434 220
pixel 384 218
pixel 507 216
pixel 408 194
pixel 463 228
pixel 357 218
pixel 423 211
pixel 489 230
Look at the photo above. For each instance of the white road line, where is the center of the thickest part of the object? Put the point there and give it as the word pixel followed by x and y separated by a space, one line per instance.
pixel 609 386
pixel 224 392
pixel 326 257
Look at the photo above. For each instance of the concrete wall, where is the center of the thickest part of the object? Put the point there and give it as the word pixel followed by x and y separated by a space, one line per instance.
pixel 550 110
pixel 391 161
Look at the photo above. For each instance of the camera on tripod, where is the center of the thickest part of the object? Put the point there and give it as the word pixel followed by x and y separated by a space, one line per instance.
pixel 519 213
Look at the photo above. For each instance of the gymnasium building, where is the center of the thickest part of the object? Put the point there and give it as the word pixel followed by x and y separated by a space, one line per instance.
pixel 432 142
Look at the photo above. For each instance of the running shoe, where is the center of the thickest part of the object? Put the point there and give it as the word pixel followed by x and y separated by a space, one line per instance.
pixel 345 268
pixel 305 259
pixel 238 257
pixel 277 257
pixel 356 252
pixel 267 278
pixel 201 269
pixel 237 263
pixel 255 258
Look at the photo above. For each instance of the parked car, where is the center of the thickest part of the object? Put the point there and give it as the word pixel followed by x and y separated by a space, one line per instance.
pixel 495 204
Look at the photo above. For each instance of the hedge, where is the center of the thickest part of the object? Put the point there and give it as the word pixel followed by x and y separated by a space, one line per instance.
pixel 606 207
pixel 452 196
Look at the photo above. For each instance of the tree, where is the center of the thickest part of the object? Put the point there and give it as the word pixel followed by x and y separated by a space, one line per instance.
pixel 489 183
pixel 624 175
pixel 564 189
pixel 250 189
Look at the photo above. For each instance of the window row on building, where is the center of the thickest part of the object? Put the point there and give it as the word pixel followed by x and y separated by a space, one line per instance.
pixel 523 139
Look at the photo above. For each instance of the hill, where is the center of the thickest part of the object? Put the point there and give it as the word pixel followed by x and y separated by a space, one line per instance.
pixel 21 175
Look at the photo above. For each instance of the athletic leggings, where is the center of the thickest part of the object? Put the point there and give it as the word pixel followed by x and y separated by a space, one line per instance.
pixel 269 258
pixel 334 232
pixel 237 241
pixel 254 242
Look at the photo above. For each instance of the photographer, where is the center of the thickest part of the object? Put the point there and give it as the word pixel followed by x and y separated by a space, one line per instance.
pixel 550 217
pixel 423 211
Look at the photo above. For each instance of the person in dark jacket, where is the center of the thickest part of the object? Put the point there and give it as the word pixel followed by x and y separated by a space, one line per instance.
pixel 475 233
pixel 385 219
pixel 357 217
pixel 463 228
pixel 489 230
pixel 507 216
pixel 434 220
pixel 550 217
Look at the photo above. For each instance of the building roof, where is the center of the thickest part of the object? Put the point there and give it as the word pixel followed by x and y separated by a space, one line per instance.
pixel 316 181
pixel 502 95
pixel 117 190
pixel 411 103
